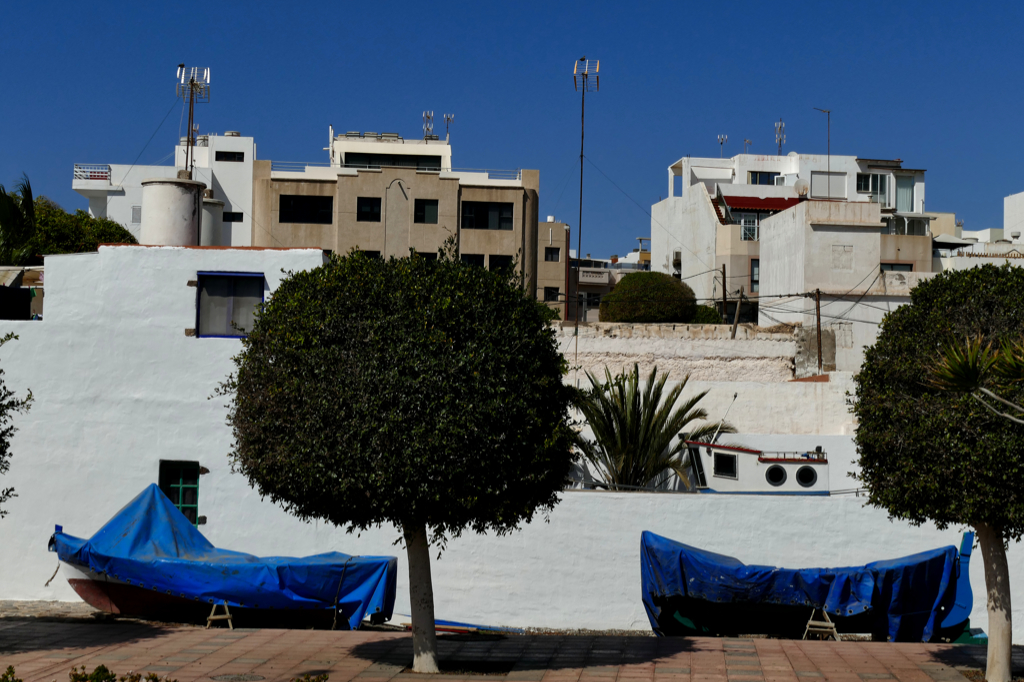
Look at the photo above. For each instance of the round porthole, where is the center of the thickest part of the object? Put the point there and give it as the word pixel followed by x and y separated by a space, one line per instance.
pixel 806 476
pixel 775 475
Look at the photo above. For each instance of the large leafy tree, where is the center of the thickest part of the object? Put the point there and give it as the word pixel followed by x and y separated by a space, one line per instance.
pixel 931 453
pixel 428 395
pixel 17 223
pixel 10 404
pixel 637 428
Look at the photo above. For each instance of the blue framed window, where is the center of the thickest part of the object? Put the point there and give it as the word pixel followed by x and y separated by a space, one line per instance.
pixel 227 303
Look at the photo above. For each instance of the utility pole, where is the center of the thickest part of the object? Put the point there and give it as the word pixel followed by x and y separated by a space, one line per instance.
pixel 817 311
pixel 736 317
pixel 584 77
pixel 828 158
pixel 725 311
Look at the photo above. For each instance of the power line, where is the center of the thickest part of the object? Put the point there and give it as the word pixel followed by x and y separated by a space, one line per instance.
pixel 149 140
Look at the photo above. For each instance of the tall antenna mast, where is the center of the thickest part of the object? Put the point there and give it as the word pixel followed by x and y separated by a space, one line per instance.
pixel 428 124
pixel 194 87
pixel 584 79
pixel 745 143
pixel 722 139
pixel 448 119
pixel 828 158
pixel 780 135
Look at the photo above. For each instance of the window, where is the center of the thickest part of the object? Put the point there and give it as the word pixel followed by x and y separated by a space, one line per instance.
pixel 230 156
pixel 232 217
pixel 551 294
pixel 427 255
pixel 761 178
pixel 806 476
pixel 828 185
pixel 552 254
pixel 725 465
pixel 136 215
pixel 371 254
pixel 363 160
pixel 425 211
pixel 500 263
pixel 750 223
pixel 897 267
pixel 227 303
pixel 368 209
pixel 485 215
pixel 755 275
pixel 776 475
pixel 179 481
pixel 873 184
pixel 298 208
pixel 476 259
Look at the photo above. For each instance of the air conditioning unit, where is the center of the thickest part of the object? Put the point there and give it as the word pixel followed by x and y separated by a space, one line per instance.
pixel 780 180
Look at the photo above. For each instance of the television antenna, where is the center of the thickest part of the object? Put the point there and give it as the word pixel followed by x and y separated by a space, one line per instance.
pixel 194 87
pixel 745 143
pixel 780 135
pixel 585 79
pixel 428 124
pixel 828 158
pixel 722 139
pixel 448 119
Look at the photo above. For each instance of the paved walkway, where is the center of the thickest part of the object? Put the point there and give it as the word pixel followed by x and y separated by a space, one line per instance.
pixel 46 651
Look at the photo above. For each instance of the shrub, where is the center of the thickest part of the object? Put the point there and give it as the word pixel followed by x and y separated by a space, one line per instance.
pixel 707 315
pixel 649 297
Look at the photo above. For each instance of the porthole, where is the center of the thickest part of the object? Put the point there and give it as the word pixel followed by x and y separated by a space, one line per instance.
pixel 775 475
pixel 806 476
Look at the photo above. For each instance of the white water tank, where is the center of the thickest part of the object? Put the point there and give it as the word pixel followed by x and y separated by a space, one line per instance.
pixel 211 232
pixel 171 212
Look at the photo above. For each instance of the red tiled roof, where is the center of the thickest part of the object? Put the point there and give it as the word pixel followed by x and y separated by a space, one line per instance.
pixel 757 204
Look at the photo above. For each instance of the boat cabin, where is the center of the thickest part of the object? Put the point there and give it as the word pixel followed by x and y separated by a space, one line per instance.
pixel 725 469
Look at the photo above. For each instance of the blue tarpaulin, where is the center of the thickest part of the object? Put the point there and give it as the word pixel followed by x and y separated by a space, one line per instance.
pixel 912 593
pixel 150 544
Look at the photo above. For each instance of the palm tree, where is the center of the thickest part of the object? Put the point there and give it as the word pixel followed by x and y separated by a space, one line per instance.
pixel 635 429
pixel 979 370
pixel 17 223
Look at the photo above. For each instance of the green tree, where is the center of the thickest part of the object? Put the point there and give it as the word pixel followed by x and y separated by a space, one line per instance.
pixel 428 395
pixel 17 223
pixel 929 453
pixel 649 297
pixel 636 427
pixel 10 405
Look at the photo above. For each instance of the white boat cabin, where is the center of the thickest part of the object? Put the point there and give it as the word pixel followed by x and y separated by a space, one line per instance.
pixel 724 469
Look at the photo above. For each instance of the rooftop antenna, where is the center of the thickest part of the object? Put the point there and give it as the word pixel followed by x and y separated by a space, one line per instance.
pixel 448 119
pixel 780 135
pixel 828 162
pixel 745 143
pixel 428 124
pixel 585 79
pixel 194 87
pixel 722 139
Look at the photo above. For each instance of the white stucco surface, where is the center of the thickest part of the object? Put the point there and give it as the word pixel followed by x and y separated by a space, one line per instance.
pixel 119 386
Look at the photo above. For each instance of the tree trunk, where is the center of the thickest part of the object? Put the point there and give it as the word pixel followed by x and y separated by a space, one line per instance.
pixel 421 599
pixel 997 585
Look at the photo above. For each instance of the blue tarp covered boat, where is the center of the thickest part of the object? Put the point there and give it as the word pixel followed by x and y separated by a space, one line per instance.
pixel 688 591
pixel 150 561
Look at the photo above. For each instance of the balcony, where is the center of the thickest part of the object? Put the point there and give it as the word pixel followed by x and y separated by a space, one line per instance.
pixel 593 276
pixel 465 174
pixel 91 178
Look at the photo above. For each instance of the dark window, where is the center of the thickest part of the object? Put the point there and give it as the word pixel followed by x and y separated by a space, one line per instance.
pixel 230 156
pixel 776 475
pixel 755 275
pixel 232 216
pixel 500 263
pixel 486 215
pixel 179 481
pixel 227 303
pixel 362 160
pixel 476 259
pixel 371 254
pixel 863 182
pixel 762 178
pixel 425 211
pixel 368 209
pixel 550 294
pixel 552 254
pixel 897 267
pixel 298 208
pixel 806 476
pixel 725 465
pixel 427 255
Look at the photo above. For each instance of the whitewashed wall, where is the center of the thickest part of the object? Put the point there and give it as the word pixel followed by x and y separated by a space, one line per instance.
pixel 119 387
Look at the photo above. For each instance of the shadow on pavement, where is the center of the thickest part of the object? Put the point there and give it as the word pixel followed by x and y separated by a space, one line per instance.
pixel 963 656
pixel 23 635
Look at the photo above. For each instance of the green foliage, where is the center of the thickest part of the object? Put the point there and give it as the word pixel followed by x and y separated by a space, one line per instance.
pixel 10 405
pixel 403 391
pixel 707 314
pixel 636 428
pixel 322 677
pixel 17 223
pixel 102 674
pixel 9 675
pixel 649 297
pixel 930 453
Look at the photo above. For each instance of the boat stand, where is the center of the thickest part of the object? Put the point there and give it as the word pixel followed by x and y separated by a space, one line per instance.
pixel 821 629
pixel 224 616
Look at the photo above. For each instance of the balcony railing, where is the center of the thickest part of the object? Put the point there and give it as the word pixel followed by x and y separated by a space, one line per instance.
pixel 88 171
pixel 301 167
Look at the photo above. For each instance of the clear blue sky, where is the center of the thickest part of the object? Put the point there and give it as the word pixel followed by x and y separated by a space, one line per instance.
pixel 935 84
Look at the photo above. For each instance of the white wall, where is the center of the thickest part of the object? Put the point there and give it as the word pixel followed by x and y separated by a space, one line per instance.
pixel 688 225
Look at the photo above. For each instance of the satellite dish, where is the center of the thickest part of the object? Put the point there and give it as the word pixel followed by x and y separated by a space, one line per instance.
pixel 802 187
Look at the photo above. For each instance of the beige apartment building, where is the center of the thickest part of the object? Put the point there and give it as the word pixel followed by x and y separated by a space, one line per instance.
pixel 388 196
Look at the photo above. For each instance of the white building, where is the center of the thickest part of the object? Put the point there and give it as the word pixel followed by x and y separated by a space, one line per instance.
pixel 223 163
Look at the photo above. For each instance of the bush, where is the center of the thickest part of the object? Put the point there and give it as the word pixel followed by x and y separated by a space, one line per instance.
pixel 649 297
pixel 58 231
pixel 707 315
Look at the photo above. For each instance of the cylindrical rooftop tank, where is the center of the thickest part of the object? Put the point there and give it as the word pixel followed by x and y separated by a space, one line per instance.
pixel 171 212
pixel 212 232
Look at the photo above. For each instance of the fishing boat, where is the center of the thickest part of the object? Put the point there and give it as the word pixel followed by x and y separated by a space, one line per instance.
pixel 925 597
pixel 150 562
pixel 730 469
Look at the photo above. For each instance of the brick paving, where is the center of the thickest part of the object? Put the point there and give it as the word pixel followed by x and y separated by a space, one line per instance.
pixel 42 650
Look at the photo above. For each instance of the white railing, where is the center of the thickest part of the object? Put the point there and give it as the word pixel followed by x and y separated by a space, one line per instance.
pixel 768 455
pixel 91 171
pixel 301 166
